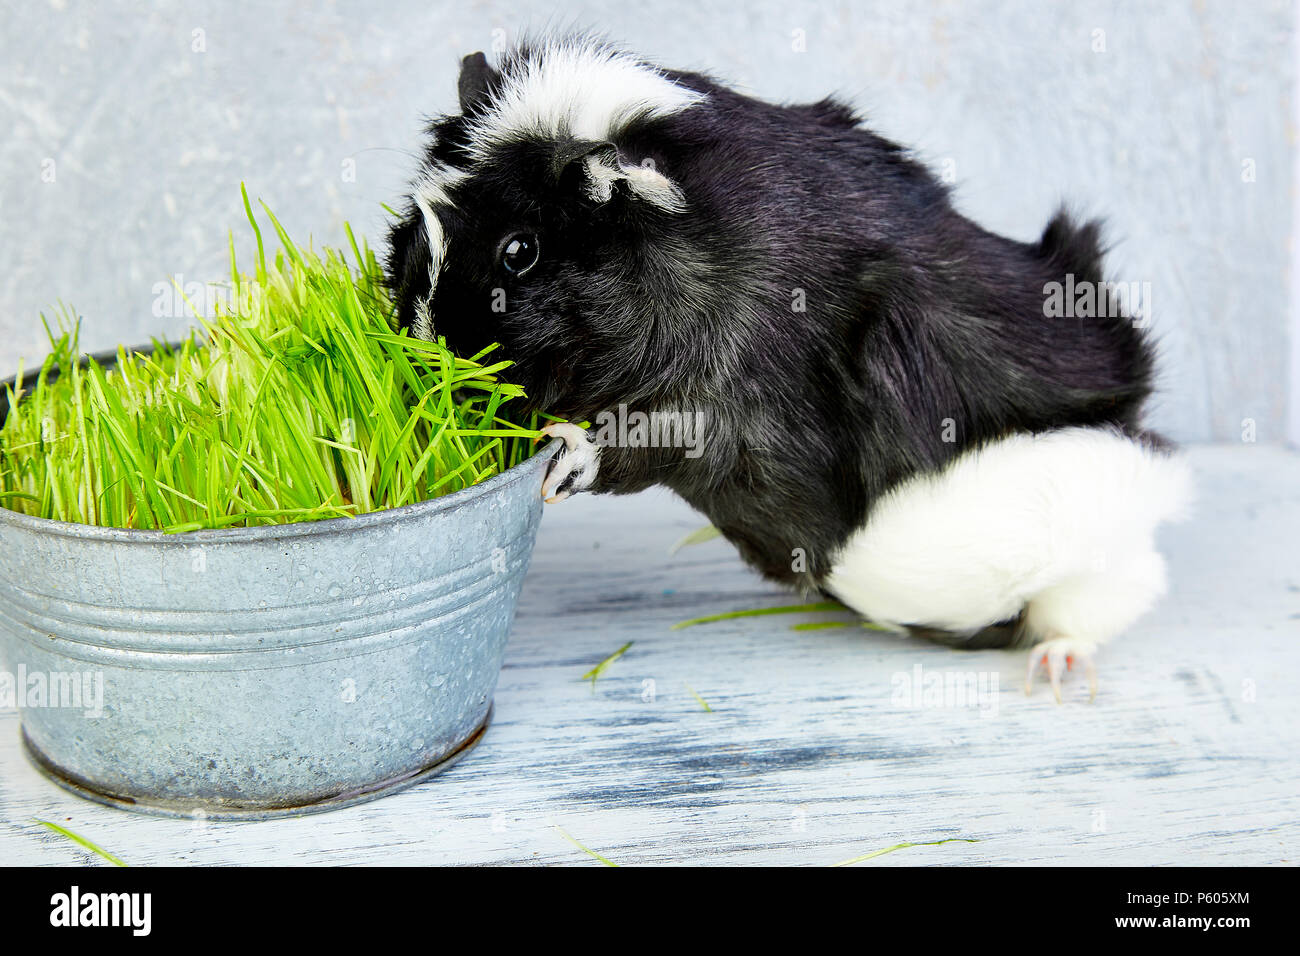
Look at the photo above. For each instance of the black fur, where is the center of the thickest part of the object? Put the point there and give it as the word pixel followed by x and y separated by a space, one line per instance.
pixel 923 334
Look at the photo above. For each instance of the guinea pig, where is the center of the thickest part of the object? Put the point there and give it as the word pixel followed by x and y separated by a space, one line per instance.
pixel 890 411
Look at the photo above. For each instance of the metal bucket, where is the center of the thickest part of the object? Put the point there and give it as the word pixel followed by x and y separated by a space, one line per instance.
pixel 255 672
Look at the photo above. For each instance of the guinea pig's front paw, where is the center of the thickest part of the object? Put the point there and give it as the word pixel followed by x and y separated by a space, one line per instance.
pixel 575 468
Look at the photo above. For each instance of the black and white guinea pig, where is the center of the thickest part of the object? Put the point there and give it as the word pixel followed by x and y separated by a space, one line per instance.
pixel 889 414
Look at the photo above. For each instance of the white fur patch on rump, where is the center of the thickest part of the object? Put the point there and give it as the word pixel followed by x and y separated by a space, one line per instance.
pixel 1061 524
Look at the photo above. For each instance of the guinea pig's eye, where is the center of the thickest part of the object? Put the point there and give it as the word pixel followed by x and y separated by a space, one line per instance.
pixel 520 252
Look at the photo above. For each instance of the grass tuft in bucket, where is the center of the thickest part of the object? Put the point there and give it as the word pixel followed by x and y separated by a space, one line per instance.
pixel 299 400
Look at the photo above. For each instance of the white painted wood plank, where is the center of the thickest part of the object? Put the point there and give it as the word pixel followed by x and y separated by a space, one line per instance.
pixel 1189 755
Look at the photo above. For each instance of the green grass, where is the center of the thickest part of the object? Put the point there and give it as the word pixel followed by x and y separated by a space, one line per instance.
pixel 700 700
pixel 761 612
pixel 589 852
pixel 698 536
pixel 301 400
pixel 594 674
pixel 81 841
pixel 815 608
pixel 900 846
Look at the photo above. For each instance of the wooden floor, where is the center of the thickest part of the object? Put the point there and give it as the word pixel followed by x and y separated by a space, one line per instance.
pixel 811 753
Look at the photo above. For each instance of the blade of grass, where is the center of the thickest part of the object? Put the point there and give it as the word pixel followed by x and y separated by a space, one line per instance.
pixel 901 846
pixel 594 674
pixel 589 852
pixel 698 536
pixel 761 612
pixel 703 703
pixel 81 841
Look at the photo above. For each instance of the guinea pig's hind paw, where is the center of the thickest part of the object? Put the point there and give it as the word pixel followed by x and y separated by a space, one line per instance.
pixel 576 466
pixel 1059 655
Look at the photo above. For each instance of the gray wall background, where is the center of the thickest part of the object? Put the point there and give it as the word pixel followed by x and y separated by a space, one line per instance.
pixel 147 116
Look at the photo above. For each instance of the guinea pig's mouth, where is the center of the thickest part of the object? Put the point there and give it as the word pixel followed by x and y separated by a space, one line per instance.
pixel 547 387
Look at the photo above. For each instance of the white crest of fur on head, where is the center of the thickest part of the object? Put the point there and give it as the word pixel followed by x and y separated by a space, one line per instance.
pixel 587 91
pixel 577 88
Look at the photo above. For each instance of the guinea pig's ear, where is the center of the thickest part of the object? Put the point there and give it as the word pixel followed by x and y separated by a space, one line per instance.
pixel 586 166
pixel 594 168
pixel 475 84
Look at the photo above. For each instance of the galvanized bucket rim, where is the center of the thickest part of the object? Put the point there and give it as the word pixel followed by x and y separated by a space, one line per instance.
pixel 296 529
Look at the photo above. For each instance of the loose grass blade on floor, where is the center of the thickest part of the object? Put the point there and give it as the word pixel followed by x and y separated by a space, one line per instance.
pixel 900 846
pixel 704 704
pixel 594 674
pixel 591 853
pixel 814 608
pixel 80 840
pixel 762 612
